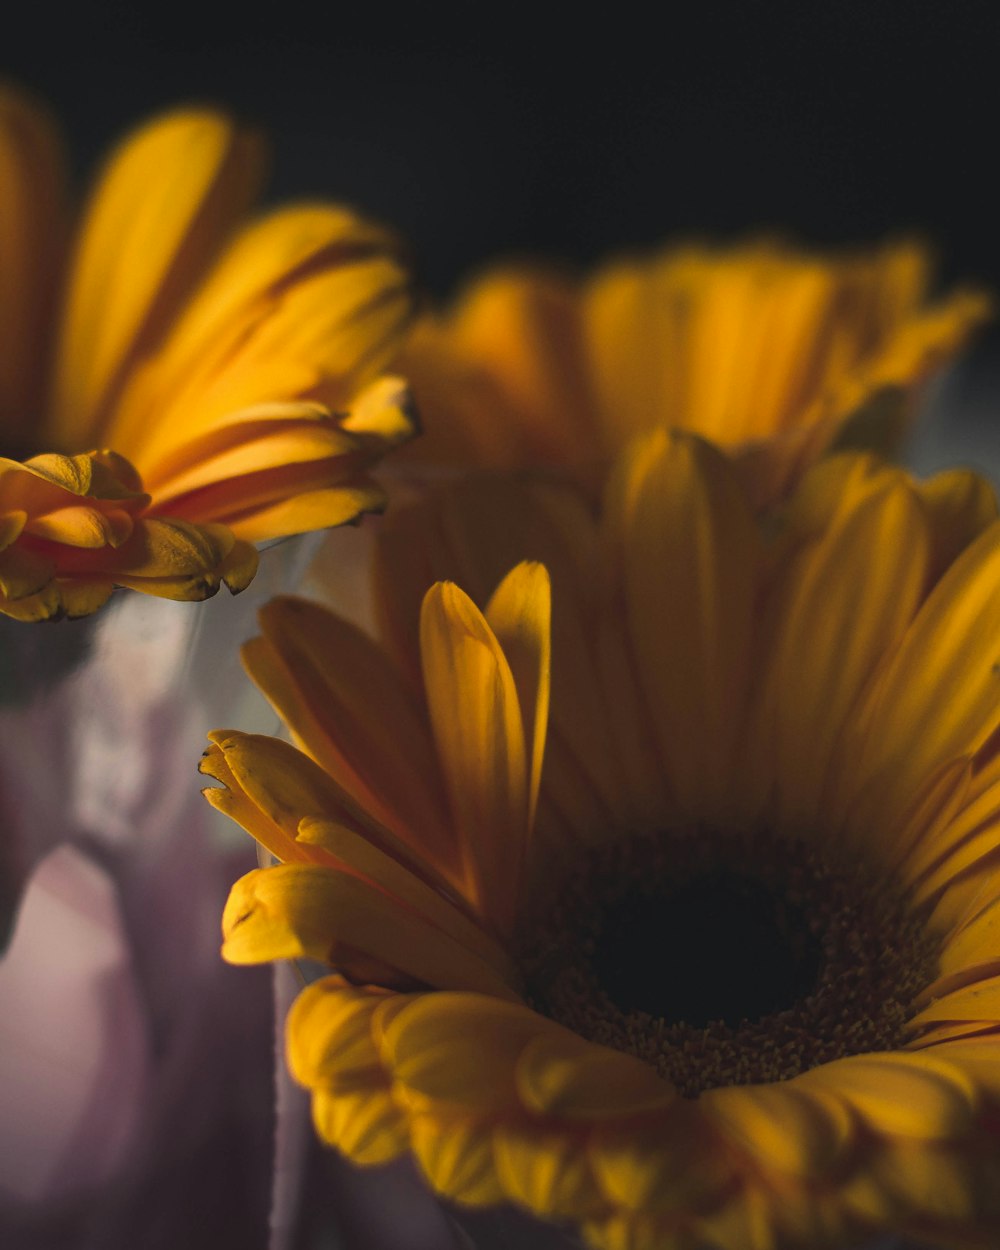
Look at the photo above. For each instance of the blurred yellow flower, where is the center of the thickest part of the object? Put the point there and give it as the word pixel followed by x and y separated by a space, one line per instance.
pixel 231 366
pixel 767 351
pixel 724 970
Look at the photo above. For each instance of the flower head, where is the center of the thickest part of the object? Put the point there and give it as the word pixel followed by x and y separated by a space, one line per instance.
pixel 706 956
pixel 230 365
pixel 769 352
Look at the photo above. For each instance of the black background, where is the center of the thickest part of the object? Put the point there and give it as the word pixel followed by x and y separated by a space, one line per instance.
pixel 483 130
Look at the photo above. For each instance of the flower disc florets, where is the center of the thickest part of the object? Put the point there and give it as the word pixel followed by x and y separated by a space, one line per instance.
pixel 725 959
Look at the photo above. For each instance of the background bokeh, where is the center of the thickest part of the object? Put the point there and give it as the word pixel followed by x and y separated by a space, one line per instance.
pixel 479 129
pixel 488 131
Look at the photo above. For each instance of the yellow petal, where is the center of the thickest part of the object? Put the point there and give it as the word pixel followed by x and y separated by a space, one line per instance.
pixel 831 638
pixel 978 1058
pixel 672 1162
pixel 159 547
pixel 24 572
pixel 456 1156
pixel 562 1075
pixel 978 1001
pixel 308 302
pixel 688 547
pixel 168 195
pixel 550 1173
pixel 976 943
pixel 362 857
pixel 383 415
pixel 520 613
pixel 82 598
pixel 366 1126
pixel 348 707
pixel 236 803
pixel 477 724
pixel 783 1127
pixel 910 1182
pixel 285 785
pixel 902 1093
pixel 329 1036
pixel 938 698
pixel 40 606
pixel 452 535
pixel 256 446
pixel 305 911
pixel 460 1050
pixel 961 505
pixel 306 510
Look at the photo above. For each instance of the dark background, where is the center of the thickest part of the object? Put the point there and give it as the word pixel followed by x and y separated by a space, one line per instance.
pixel 482 130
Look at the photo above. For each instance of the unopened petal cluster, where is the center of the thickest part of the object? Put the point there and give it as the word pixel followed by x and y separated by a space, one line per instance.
pixel 227 362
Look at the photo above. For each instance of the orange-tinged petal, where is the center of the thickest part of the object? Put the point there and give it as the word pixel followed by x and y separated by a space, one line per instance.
pixel 477 723
pixel 307 911
pixel 306 509
pixel 11 526
pixel 308 298
pixel 261 446
pixel 32 207
pixel 83 527
pixel 167 198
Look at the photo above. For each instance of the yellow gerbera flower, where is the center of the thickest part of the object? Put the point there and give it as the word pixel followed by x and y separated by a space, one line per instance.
pixel 217 358
pixel 724 970
pixel 766 351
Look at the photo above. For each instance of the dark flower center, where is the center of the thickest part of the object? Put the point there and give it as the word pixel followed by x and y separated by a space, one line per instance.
pixel 719 947
pixel 725 959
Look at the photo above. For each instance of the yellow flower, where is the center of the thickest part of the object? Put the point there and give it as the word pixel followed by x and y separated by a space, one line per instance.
pixel 230 365
pixel 769 352
pixel 722 969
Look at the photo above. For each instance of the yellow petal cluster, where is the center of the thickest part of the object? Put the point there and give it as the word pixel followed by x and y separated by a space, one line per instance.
pixel 769 352
pixel 830 677
pixel 230 364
